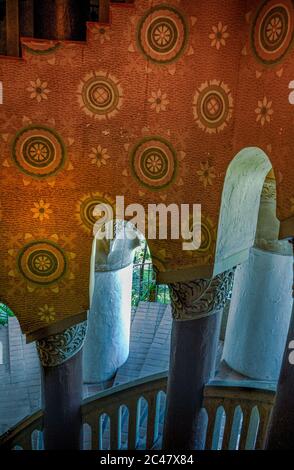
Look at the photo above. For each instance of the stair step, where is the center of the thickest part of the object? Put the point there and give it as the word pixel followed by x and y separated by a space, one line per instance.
pixel 157 358
pixel 144 327
pixel 20 385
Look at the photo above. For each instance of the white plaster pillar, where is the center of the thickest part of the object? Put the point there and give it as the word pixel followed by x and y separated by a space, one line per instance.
pixel 108 338
pixel 108 335
pixel 261 302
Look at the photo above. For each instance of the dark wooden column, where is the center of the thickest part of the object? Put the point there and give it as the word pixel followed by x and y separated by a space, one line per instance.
pixel 62 382
pixel 26 18
pixel 281 429
pixel 12 28
pixel 196 309
pixel 104 11
pixel 61 19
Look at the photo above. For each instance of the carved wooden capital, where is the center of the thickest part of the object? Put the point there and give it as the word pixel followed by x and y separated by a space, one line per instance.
pixel 57 349
pixel 202 297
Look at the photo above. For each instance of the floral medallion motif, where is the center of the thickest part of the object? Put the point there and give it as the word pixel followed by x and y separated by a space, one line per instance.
pixel 86 214
pixel 162 34
pixel 41 47
pixel 264 111
pixel 206 174
pixel 38 90
pixel 208 236
pixel 202 253
pixel 100 95
pixel 219 36
pixel 158 101
pixel 40 263
pixel 41 210
pixel 47 313
pixel 38 152
pixel 99 156
pixel 101 33
pixel 272 31
pixel 213 106
pixel 154 162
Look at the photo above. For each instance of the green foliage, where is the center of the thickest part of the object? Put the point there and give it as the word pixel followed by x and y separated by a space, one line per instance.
pixel 5 312
pixel 144 284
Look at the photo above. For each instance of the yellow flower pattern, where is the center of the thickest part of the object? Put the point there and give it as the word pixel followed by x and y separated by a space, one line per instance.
pixel 47 313
pixel 218 36
pixel 99 156
pixel 38 90
pixel 206 174
pixel 158 101
pixel 264 111
pixel 41 210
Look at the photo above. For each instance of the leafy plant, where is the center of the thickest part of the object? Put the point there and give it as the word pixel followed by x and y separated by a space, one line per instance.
pixel 144 283
pixel 5 313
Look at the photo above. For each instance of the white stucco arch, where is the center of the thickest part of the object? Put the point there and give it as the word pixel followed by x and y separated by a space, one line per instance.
pixel 239 207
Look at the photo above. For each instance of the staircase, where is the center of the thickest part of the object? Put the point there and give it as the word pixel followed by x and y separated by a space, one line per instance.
pixel 130 414
pixel 150 342
pixel 20 379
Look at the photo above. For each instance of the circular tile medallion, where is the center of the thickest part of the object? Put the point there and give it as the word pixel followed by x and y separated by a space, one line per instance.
pixel 272 31
pixel 42 262
pixel 162 34
pixel 154 162
pixel 38 152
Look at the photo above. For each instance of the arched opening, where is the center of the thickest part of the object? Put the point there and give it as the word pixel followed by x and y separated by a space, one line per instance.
pixel 260 309
pixel 239 207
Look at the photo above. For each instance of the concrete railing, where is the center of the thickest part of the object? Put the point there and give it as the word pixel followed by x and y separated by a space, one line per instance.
pixel 238 414
pixel 130 416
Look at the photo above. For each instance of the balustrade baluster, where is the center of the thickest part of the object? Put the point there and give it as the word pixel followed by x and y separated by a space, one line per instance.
pixel 247 410
pixel 211 409
pixel 264 416
pixel 229 410
pixel 217 397
pixel 151 420
pixel 134 421
pixel 115 429
pixel 26 441
pixel 94 425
